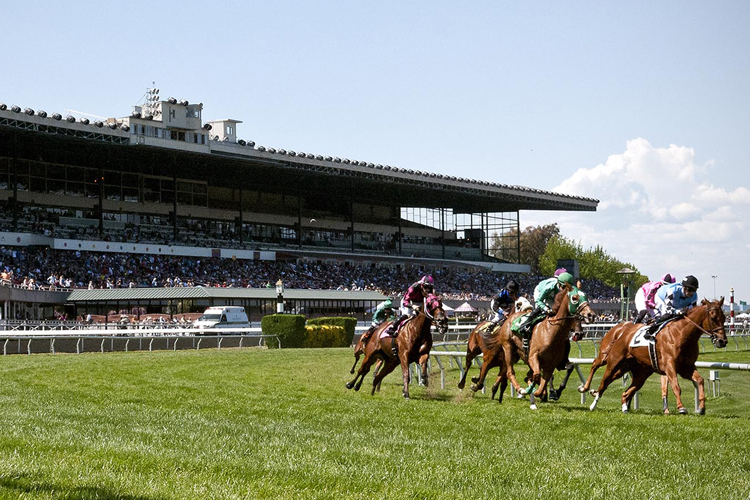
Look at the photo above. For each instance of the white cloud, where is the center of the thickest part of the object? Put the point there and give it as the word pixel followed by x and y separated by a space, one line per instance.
pixel 660 211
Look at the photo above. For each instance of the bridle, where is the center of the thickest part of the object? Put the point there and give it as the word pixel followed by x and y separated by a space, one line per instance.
pixel 442 325
pixel 713 333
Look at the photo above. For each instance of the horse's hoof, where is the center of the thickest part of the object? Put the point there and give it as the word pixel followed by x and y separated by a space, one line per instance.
pixel 625 408
pixel 461 385
pixel 581 389
pixel 553 395
pixel 351 371
pixel 682 410
pixel 475 379
pixel 701 411
pixel 666 411
pixel 357 387
pixel 349 385
pixel 593 393
pixel 533 407
pixel 476 387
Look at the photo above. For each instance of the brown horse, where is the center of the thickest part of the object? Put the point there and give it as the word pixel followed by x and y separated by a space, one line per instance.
pixel 547 346
pixel 676 352
pixel 484 343
pixel 609 338
pixel 414 342
pixel 359 349
pixel 490 346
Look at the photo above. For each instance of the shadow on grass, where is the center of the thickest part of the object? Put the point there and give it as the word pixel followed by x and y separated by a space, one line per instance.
pixel 24 483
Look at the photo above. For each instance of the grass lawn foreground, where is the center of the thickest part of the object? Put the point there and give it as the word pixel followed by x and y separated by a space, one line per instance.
pixel 256 423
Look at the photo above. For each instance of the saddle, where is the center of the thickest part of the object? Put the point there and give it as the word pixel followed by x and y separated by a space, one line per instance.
pixel 521 324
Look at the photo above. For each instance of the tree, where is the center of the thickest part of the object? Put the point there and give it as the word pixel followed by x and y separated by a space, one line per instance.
pixel 592 263
pixel 533 242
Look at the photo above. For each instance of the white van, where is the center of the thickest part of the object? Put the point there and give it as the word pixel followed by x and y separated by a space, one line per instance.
pixel 223 317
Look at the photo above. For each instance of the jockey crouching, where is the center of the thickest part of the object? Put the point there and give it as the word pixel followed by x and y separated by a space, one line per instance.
pixel 544 299
pixel 502 304
pixel 645 298
pixel 411 304
pixel 383 313
pixel 673 301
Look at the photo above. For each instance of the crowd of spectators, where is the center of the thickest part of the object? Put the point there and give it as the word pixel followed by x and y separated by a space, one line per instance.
pixel 44 268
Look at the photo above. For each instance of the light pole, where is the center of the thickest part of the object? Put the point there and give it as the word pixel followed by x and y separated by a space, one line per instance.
pixel 714 277
pixel 279 297
pixel 626 291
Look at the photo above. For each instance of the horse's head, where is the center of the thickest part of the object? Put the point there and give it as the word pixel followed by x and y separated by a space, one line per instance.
pixel 578 305
pixel 433 308
pixel 714 322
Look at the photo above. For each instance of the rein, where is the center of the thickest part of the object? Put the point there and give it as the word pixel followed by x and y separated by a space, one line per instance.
pixel 711 333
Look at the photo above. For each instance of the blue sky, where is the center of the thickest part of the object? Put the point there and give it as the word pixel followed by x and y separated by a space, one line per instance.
pixel 643 105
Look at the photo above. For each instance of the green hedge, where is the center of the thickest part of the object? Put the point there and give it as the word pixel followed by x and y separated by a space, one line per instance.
pixel 348 324
pixel 325 336
pixel 290 328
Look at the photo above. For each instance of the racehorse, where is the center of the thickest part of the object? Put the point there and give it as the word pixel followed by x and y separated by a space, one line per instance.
pixel 676 352
pixel 359 349
pixel 491 346
pixel 547 346
pixel 601 359
pixel 413 343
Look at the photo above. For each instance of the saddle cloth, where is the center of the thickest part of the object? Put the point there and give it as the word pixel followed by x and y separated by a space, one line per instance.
pixel 638 340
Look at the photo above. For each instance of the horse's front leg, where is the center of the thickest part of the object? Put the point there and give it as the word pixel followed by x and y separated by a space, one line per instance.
pixel 510 373
pixel 469 358
pixel 676 390
pixel 405 372
pixel 698 383
pixel 423 362
pixel 664 397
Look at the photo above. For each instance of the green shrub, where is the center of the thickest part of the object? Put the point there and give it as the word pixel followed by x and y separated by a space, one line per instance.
pixel 290 328
pixel 348 324
pixel 325 336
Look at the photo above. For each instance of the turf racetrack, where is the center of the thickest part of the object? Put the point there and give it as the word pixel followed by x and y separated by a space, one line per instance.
pixel 258 423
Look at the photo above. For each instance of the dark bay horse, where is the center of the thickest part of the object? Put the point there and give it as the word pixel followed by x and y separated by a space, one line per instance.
pixel 677 348
pixel 547 346
pixel 492 346
pixel 414 342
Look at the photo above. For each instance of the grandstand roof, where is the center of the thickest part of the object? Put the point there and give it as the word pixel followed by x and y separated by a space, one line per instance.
pixel 224 163
pixel 142 294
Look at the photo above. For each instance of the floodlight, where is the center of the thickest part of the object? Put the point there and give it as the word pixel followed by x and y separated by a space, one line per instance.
pixel 57 116
pixel 42 113
pixel 70 119
pixel 29 111
pixel 85 121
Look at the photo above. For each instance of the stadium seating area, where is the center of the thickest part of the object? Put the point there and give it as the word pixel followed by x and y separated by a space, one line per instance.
pixel 46 268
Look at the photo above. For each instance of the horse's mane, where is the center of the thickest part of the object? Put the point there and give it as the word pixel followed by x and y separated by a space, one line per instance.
pixel 432 302
pixel 559 298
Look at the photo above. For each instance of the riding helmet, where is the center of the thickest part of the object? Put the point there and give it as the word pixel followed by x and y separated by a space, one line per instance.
pixel 690 281
pixel 427 280
pixel 512 286
pixel 667 278
pixel 566 278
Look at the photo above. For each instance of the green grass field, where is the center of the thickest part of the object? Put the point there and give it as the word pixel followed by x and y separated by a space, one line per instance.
pixel 258 423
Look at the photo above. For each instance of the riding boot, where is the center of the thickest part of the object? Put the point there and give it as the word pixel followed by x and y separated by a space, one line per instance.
pixel 491 326
pixel 393 329
pixel 394 347
pixel 640 316
pixel 367 334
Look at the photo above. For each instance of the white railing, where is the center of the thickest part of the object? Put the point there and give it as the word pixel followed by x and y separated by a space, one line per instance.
pixel 452 351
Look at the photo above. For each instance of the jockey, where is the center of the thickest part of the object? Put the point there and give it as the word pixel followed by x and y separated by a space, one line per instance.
pixel 673 300
pixel 646 295
pixel 383 313
pixel 411 303
pixel 544 299
pixel 502 304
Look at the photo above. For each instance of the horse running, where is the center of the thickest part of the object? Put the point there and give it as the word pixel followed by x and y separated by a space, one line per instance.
pixel 414 342
pixel 492 345
pixel 547 346
pixel 676 352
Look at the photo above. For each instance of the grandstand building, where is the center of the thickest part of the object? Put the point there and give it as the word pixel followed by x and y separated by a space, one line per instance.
pixel 164 181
